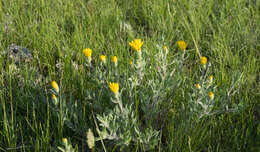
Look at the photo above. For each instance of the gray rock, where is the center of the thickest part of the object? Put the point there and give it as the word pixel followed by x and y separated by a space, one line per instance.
pixel 18 54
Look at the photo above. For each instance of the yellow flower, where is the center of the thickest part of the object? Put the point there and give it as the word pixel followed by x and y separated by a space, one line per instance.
pixel 55 86
pixel 54 98
pixel 90 139
pixel 165 48
pixel 136 44
pixel 102 58
pixel 88 53
pixel 210 78
pixel 114 60
pixel 211 95
pixel 130 62
pixel 114 87
pixel 197 86
pixel 65 141
pixel 182 45
pixel 203 60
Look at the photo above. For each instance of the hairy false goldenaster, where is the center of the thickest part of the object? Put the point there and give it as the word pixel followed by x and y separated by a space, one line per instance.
pixel 102 58
pixel 182 45
pixel 203 60
pixel 55 86
pixel 114 87
pixel 211 95
pixel 136 44
pixel 88 53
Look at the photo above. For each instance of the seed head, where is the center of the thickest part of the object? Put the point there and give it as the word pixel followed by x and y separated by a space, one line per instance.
pixel 90 139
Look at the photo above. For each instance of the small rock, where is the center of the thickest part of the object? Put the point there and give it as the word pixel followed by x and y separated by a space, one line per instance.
pixel 18 54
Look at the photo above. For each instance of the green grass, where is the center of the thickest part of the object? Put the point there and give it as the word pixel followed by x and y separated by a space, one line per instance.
pixel 226 31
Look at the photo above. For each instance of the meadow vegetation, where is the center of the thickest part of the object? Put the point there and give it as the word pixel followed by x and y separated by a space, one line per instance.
pixel 136 75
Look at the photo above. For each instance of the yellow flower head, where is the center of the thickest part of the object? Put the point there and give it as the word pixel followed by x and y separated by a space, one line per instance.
pixel 211 78
pixel 130 62
pixel 211 95
pixel 114 87
pixel 55 86
pixel 102 58
pixel 203 60
pixel 165 48
pixel 136 44
pixel 90 139
pixel 65 141
pixel 197 86
pixel 114 59
pixel 182 45
pixel 54 99
pixel 88 53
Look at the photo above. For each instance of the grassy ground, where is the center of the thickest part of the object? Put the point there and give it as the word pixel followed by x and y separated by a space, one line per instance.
pixel 226 32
